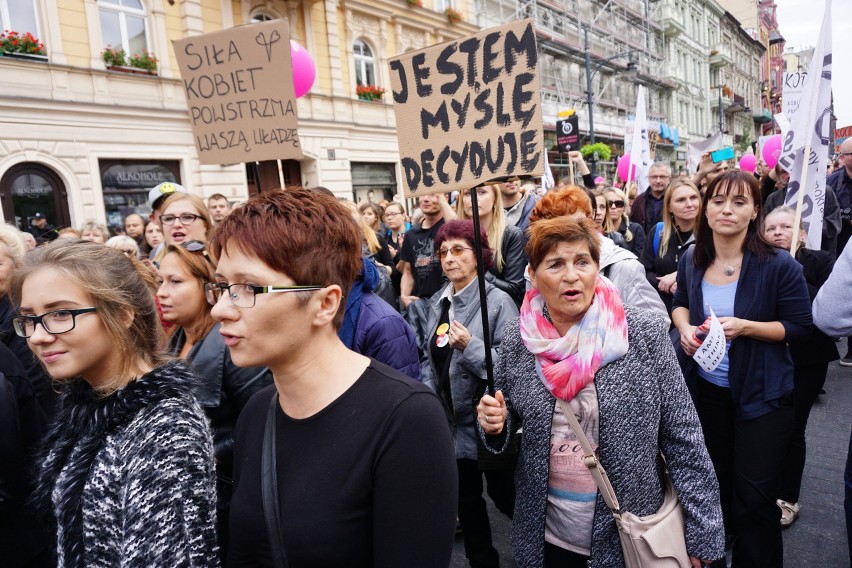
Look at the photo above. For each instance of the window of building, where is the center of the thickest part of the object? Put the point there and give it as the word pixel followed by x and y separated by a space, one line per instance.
pixel 365 63
pixel 126 184
pixel 19 15
pixel 444 4
pixel 123 25
pixel 373 182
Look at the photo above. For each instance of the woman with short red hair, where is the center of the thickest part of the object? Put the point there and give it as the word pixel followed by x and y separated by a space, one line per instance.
pixel 344 461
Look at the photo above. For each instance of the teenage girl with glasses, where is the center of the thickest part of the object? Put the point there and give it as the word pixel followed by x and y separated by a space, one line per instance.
pixel 128 469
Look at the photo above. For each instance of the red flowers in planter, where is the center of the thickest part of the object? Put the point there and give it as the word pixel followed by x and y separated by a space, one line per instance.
pixel 453 16
pixel 369 92
pixel 14 42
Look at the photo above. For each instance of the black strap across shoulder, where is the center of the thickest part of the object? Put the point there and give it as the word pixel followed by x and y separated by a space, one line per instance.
pixel 269 489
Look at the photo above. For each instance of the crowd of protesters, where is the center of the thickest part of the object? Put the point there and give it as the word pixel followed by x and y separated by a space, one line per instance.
pixel 302 381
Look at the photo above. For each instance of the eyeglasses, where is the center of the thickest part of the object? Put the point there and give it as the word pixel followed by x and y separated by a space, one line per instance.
pixel 54 323
pixel 618 204
pixel 185 219
pixel 243 295
pixel 198 246
pixel 845 154
pixel 456 251
pixel 659 177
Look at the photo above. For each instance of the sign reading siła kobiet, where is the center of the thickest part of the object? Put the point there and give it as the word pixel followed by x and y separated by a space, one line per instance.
pixel 238 86
pixel 468 110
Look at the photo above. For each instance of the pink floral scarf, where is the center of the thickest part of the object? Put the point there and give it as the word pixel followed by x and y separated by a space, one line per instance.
pixel 569 363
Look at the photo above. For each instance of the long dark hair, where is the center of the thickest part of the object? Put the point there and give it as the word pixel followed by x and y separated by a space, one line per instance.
pixel 743 183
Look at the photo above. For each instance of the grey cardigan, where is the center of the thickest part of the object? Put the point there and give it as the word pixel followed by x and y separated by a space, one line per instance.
pixel 467 368
pixel 644 408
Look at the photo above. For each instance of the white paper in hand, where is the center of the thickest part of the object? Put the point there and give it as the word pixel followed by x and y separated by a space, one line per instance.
pixel 712 350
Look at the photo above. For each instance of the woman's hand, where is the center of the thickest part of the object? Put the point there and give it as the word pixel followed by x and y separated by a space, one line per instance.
pixel 459 336
pixel 667 283
pixel 688 341
pixel 698 563
pixel 491 412
pixel 733 327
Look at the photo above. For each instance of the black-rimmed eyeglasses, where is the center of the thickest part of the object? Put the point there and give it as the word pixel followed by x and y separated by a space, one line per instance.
pixel 185 219
pixel 54 323
pixel 244 295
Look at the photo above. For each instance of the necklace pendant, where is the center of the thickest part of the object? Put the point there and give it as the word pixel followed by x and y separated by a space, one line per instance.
pixel 729 270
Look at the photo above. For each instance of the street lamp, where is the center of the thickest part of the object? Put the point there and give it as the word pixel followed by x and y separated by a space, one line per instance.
pixel 632 70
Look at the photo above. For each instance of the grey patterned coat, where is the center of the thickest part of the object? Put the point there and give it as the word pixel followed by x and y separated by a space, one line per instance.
pixel 644 408
pixel 130 478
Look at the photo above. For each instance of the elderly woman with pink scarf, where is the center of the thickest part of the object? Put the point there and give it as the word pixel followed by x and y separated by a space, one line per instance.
pixel 615 367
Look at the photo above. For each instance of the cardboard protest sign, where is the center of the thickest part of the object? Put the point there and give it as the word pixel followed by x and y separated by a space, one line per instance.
pixel 239 88
pixel 568 134
pixel 469 110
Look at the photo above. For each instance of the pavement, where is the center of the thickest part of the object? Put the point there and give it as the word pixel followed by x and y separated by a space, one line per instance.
pixel 818 538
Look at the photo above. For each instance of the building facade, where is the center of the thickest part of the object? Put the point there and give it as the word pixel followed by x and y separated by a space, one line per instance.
pixel 84 140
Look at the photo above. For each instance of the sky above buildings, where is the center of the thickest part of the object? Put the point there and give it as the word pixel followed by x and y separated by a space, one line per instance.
pixel 799 22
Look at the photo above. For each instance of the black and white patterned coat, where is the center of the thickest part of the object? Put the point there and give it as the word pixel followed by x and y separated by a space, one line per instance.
pixel 644 408
pixel 130 478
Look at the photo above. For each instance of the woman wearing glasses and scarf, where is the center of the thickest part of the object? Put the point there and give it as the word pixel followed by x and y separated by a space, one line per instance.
pixel 345 461
pixel 225 388
pixel 454 366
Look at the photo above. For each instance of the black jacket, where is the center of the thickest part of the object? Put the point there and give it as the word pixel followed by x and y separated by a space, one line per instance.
pixel 820 348
pixel 511 278
pixel 224 391
pixel 39 379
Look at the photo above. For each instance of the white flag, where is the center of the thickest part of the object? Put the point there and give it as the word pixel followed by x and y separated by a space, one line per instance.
pixel 811 121
pixel 547 181
pixel 639 147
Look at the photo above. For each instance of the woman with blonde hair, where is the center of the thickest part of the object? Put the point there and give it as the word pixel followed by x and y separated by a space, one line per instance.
pixel 128 469
pixel 670 238
pixel 125 245
pixel 616 203
pixel 185 218
pixel 507 242
pixel 94 231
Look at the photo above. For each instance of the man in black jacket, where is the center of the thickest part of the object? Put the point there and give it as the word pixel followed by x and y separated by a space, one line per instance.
pixel 647 209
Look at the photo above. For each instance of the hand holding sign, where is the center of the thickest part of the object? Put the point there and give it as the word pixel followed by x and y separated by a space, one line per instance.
pixel 713 346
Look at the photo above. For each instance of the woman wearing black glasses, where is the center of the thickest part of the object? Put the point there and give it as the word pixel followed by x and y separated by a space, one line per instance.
pixel 345 462
pixel 128 470
pixel 185 218
pixel 454 365
pixel 224 388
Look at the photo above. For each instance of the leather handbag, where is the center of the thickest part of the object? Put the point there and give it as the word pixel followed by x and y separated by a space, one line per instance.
pixel 657 540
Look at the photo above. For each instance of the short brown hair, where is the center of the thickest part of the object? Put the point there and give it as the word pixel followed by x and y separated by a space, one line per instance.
pixel 304 234
pixel 560 202
pixel 546 234
pixel 116 287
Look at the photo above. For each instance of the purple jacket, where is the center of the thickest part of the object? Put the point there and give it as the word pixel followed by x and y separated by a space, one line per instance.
pixel 381 333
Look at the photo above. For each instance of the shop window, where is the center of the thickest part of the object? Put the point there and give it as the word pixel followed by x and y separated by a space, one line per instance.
pixel 19 15
pixel 373 182
pixel 365 63
pixel 123 25
pixel 126 184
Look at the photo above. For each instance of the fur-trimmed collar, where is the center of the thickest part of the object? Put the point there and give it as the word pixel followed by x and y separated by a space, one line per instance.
pixel 84 421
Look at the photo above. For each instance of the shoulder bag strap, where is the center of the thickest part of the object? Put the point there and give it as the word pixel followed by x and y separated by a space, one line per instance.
pixel 591 461
pixel 269 489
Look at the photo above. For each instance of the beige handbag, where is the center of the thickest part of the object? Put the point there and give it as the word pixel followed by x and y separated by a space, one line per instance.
pixel 657 540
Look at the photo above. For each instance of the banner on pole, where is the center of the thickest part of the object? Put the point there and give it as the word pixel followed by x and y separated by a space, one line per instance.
pixel 568 133
pixel 810 126
pixel 469 110
pixel 639 147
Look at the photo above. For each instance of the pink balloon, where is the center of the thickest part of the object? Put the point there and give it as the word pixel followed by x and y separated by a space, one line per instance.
pixel 772 150
pixel 304 70
pixel 624 167
pixel 748 162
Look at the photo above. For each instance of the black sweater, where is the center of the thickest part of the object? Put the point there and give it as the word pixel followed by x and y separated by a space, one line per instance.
pixel 370 480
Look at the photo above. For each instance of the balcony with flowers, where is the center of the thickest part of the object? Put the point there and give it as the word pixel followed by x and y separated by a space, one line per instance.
pixel 22 46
